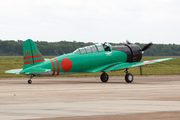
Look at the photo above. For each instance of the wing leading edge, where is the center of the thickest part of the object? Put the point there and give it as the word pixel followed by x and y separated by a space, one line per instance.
pixel 134 64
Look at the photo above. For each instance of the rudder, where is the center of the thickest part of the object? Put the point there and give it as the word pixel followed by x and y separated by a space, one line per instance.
pixel 31 54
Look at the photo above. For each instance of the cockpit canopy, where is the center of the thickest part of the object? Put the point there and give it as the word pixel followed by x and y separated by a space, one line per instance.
pixel 94 48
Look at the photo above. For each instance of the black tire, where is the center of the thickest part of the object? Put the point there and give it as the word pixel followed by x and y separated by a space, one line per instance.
pixel 104 77
pixel 129 78
pixel 29 81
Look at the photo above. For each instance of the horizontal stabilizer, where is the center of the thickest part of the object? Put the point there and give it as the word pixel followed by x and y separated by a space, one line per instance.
pixel 15 71
pixel 36 70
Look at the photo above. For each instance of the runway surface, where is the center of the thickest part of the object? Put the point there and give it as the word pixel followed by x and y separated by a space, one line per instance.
pixel 148 97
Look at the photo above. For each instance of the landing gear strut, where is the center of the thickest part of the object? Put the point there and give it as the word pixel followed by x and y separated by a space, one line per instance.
pixel 128 77
pixel 30 81
pixel 104 77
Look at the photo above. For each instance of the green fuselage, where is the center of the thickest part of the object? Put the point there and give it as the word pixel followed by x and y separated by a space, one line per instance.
pixel 81 63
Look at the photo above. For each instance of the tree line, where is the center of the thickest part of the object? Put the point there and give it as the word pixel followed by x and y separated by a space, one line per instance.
pixel 15 48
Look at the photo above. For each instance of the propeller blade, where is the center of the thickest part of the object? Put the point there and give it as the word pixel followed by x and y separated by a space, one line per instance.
pixel 147 46
pixel 128 42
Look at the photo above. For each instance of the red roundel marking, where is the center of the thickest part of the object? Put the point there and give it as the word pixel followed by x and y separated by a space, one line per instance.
pixel 66 64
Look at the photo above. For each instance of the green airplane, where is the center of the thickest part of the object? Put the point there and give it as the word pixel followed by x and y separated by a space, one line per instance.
pixel 89 59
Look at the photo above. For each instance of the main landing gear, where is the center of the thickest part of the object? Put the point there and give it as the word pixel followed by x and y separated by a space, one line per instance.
pixel 104 77
pixel 30 81
pixel 128 77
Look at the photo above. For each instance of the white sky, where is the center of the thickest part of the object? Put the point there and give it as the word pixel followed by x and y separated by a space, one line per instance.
pixel 143 21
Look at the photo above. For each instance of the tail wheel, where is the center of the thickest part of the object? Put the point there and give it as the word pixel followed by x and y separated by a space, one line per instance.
pixel 129 78
pixel 104 77
pixel 30 81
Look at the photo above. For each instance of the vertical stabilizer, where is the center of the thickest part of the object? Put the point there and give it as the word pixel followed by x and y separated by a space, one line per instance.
pixel 31 54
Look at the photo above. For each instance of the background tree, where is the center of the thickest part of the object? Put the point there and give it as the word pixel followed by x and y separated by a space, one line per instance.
pixel 15 48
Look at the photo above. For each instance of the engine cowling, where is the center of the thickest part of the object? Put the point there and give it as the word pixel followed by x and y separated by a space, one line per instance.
pixel 134 52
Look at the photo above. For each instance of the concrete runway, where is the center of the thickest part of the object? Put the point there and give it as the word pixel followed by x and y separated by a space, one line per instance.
pixel 75 98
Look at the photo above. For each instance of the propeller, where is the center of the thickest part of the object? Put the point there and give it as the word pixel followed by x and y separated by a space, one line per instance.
pixel 128 42
pixel 146 47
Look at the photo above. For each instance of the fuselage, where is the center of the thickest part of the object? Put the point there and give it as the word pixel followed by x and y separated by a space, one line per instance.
pixel 83 60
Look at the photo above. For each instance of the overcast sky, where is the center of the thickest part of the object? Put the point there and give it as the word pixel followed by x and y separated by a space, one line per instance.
pixel 143 21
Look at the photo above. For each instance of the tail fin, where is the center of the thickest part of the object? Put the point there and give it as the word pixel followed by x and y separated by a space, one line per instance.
pixel 31 54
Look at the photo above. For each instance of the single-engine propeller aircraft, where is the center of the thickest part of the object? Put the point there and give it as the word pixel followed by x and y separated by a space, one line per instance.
pixel 89 59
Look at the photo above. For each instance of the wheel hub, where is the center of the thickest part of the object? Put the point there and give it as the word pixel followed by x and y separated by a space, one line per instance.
pixel 130 78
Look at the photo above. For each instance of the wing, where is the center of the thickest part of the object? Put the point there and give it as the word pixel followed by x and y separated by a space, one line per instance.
pixel 121 66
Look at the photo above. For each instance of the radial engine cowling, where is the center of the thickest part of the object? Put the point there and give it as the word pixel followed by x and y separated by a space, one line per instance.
pixel 134 52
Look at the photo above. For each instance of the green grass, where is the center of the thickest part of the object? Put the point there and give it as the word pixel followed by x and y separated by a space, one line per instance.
pixel 171 67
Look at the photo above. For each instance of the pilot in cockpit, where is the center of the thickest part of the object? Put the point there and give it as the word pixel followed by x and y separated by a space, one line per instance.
pixel 106 47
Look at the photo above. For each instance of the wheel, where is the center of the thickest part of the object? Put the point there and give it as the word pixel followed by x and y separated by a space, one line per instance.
pixel 129 78
pixel 29 81
pixel 104 77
